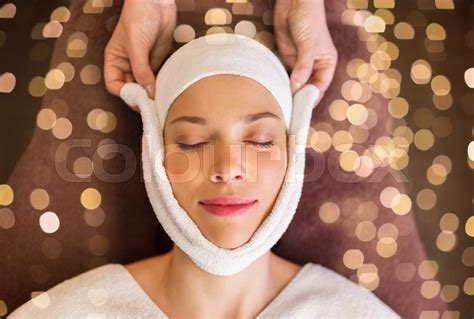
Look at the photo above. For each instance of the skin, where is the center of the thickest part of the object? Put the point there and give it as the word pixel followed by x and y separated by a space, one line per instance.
pixel 211 171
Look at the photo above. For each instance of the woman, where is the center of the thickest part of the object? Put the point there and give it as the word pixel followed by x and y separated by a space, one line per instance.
pixel 219 98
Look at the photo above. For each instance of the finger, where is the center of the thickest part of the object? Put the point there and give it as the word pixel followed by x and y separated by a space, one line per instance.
pixel 139 58
pixel 114 75
pixel 302 69
pixel 323 73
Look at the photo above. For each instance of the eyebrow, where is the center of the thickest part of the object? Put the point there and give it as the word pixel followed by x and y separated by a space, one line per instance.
pixel 246 118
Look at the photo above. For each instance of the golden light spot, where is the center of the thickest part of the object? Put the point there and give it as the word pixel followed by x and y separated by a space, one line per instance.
pixel 349 161
pixel 99 245
pixel 90 74
pixel 391 49
pixel 39 199
pixel 449 293
pixel 41 299
pixel 90 198
pixel 405 272
pixel 246 28
pixel 60 14
pixel 184 33
pixel 365 166
pixel 368 211
pixel 7 218
pixel 338 110
pixel 49 222
pixel 421 72
pixel 62 129
pixel 267 17
pixel 426 199
pixel 374 24
pixel 7 11
pixel 430 289
pixel 106 122
pixel 387 4
pixel 398 107
pixel 387 196
pixel 83 167
pixel 218 16
pixel 357 4
pixel 469 228
pixel 245 8
pixel 3 308
pixel 67 69
pixel 380 60
pixel 107 148
pixel 436 174
pixel 468 257
pixel 94 217
pixel 97 296
pixel 444 4
pixel 435 31
pixel 398 158
pixel 444 161
pixel 216 30
pixel 428 269
pixel 266 38
pixel 360 133
pixel 440 85
pixel 46 119
pixel 446 241
pixel 77 45
pixel 6 194
pixel 7 82
pixel 329 212
pixel 55 79
pixel 51 248
pixel 352 67
pixel 388 230
pixel 469 77
pixel 404 31
pixel 342 140
pixel 52 29
pixel 449 222
pixel 386 247
pixel 424 139
pixel 469 286
pixel 429 314
pixel 368 276
pixel 37 87
pixel 365 231
pixel 321 141
pixel 92 118
pixel 386 15
pixel 357 114
pixel 353 258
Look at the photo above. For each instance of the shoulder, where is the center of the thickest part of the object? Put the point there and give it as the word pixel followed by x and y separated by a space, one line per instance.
pixel 80 295
pixel 321 291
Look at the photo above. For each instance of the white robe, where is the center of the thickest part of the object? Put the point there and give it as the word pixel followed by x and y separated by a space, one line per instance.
pixel 110 291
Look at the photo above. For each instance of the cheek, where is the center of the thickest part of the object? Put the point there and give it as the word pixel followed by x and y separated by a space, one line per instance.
pixel 181 167
pixel 267 168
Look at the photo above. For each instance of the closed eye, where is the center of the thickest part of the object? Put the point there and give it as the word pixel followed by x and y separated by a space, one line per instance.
pixel 182 146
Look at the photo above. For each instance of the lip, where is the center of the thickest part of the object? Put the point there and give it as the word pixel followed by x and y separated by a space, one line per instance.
pixel 227 206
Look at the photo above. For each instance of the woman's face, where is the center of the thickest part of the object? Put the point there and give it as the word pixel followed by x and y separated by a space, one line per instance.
pixel 231 157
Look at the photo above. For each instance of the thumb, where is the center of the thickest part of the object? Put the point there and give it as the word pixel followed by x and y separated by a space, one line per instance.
pixel 302 69
pixel 141 69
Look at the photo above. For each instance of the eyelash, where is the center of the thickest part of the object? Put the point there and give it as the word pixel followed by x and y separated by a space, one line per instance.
pixel 195 146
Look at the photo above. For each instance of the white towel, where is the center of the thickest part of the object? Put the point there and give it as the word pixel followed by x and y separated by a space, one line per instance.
pixel 202 57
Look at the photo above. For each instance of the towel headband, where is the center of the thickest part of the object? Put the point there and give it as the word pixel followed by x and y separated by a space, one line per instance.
pixel 206 56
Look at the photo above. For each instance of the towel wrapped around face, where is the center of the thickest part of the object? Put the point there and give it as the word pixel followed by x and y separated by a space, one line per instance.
pixel 206 56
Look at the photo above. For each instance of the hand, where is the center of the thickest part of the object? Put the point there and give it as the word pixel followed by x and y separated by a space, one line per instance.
pixel 304 43
pixel 140 42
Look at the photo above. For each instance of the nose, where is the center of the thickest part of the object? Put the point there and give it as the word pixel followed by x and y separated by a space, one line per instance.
pixel 227 164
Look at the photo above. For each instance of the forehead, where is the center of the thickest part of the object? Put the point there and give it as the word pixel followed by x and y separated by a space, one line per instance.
pixel 224 95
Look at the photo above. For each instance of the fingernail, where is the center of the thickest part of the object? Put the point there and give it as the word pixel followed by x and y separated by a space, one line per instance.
pixel 296 86
pixel 149 89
